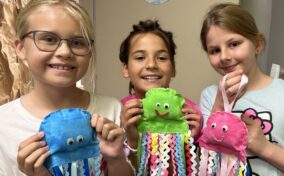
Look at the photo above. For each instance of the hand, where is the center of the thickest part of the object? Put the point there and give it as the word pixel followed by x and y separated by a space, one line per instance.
pixel 193 120
pixel 130 114
pixel 257 143
pixel 111 137
pixel 31 155
pixel 232 85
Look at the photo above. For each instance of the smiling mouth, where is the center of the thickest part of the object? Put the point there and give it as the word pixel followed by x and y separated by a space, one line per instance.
pixel 151 78
pixel 161 115
pixel 218 140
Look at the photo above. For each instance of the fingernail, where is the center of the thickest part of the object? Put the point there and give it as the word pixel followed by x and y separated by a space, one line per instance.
pixel 41 134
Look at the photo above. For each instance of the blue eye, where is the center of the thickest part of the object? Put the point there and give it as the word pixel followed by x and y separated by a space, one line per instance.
pixel 80 138
pixel 70 141
pixel 166 106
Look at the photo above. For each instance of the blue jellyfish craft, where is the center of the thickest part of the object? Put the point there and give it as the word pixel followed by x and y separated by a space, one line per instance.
pixel 72 143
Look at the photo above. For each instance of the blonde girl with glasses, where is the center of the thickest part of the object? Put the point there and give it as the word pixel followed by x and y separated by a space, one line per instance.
pixel 55 39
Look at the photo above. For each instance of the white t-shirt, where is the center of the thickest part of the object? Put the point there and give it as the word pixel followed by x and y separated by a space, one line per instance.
pixel 266 104
pixel 17 124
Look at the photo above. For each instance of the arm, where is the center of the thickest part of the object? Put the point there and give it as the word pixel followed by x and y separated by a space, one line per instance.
pixel 111 145
pixel 260 146
pixel 31 155
pixel 130 114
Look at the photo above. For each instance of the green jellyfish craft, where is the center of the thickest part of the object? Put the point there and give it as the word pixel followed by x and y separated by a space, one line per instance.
pixel 164 137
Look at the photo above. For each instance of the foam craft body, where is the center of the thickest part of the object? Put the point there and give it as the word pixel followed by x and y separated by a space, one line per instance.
pixel 164 137
pixel 223 141
pixel 72 143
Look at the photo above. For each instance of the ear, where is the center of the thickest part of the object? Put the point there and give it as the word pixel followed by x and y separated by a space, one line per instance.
pixel 20 50
pixel 125 71
pixel 260 43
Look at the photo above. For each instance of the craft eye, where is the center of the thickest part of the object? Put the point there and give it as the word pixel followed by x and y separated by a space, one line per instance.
pixel 213 125
pixel 224 128
pixel 70 141
pixel 158 104
pixel 80 138
pixel 166 106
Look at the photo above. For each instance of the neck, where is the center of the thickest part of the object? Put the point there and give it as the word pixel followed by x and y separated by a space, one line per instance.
pixel 257 79
pixel 42 99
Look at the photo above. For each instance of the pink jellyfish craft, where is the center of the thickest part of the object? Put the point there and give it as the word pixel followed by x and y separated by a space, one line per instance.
pixel 223 141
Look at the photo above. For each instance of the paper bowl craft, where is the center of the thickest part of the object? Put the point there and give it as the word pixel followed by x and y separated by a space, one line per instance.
pixel 164 136
pixel 74 149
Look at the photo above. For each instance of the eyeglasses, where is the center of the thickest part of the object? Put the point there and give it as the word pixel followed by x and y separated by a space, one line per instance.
pixel 49 42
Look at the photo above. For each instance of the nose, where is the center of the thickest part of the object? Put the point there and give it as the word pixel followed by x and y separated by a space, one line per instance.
pixel 225 55
pixel 151 63
pixel 63 49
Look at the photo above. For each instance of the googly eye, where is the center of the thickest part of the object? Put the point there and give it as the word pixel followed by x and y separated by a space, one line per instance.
pixel 213 125
pixel 225 128
pixel 70 141
pixel 158 104
pixel 166 106
pixel 80 138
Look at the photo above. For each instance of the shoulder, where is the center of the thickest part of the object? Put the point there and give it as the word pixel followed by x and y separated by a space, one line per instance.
pixel 210 90
pixel 278 82
pixel 10 106
pixel 104 100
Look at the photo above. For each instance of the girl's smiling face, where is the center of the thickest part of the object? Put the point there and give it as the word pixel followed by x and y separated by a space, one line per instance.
pixel 149 64
pixel 228 51
pixel 60 68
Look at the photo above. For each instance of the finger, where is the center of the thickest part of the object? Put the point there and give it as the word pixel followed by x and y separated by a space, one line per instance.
pixel 100 123
pixel 247 120
pixel 189 111
pixel 235 73
pixel 27 151
pixel 107 127
pixel 33 138
pixel 134 103
pixel 129 113
pixel 39 163
pixel 193 124
pixel 31 159
pixel 192 117
pixel 132 121
pixel 116 133
pixel 94 120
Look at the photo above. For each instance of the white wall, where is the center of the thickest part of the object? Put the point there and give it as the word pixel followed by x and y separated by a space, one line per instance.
pixel 113 22
pixel 261 11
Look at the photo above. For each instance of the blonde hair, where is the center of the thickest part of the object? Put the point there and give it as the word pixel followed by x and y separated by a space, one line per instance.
pixel 74 10
pixel 231 17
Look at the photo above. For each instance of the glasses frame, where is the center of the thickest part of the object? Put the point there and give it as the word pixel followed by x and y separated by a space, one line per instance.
pixel 33 32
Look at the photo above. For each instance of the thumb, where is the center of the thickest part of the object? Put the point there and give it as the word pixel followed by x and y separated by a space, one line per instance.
pixel 246 119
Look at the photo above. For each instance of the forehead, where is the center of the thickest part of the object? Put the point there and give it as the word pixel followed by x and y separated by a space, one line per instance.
pixel 147 40
pixel 51 18
pixel 217 35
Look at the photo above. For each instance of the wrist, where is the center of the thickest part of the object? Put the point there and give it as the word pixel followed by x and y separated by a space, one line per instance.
pixel 129 149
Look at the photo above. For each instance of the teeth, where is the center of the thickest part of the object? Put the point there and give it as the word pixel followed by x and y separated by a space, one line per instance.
pixel 60 67
pixel 151 77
